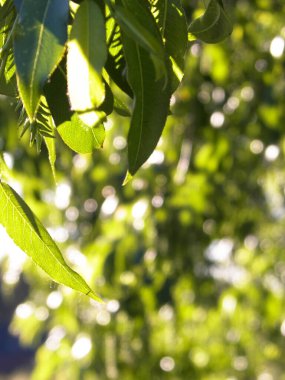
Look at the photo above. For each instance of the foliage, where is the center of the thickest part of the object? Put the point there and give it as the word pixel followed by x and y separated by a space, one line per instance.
pixel 189 255
pixel 59 63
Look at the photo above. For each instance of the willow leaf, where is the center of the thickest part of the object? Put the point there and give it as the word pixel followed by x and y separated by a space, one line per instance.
pixel 151 104
pixel 39 41
pixel 137 22
pixel 84 133
pixel 86 57
pixel 116 63
pixel 214 26
pixel 55 92
pixel 30 235
pixel 171 19
pixel 50 144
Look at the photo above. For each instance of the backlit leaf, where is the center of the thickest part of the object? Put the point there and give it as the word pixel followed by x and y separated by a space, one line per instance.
pixel 84 132
pixel 30 235
pixel 87 54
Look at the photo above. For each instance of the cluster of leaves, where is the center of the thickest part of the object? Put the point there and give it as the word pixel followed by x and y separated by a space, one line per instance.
pixel 67 66
pixel 190 254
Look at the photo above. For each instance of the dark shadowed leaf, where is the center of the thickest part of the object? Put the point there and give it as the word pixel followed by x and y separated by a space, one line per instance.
pixel 214 26
pixel 151 104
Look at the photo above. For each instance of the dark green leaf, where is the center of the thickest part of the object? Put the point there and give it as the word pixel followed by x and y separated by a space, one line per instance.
pixel 137 22
pixel 116 63
pixel 214 26
pixel 173 27
pixel 39 42
pixel 151 104
pixel 55 92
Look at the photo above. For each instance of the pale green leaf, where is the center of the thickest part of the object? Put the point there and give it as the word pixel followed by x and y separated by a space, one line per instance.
pixel 86 57
pixel 30 235
pixel 39 41
pixel 84 132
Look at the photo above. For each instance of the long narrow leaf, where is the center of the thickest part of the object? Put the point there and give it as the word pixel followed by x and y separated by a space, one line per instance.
pixel 87 54
pixel 39 42
pixel 151 104
pixel 214 26
pixel 30 235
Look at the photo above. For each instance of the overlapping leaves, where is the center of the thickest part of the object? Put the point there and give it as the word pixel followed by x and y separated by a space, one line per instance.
pixel 66 65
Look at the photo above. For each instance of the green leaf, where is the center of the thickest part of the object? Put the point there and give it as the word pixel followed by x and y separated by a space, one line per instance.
pixel 50 144
pixel 120 107
pixel 39 41
pixel 136 30
pixel 137 22
pixel 173 27
pixel 84 132
pixel 30 235
pixel 214 26
pixel 151 104
pixel 55 92
pixel 116 63
pixel 86 57
pixel 108 103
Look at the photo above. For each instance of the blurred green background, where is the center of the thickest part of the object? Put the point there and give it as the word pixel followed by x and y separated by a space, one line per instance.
pixel 189 256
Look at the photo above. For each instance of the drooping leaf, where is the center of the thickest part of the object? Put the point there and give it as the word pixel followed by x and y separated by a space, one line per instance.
pixel 214 26
pixel 55 92
pixel 50 144
pixel 39 41
pixel 86 57
pixel 173 27
pixel 116 63
pixel 120 107
pixel 108 103
pixel 30 235
pixel 84 133
pixel 137 22
pixel 138 31
pixel 151 104
pixel 18 4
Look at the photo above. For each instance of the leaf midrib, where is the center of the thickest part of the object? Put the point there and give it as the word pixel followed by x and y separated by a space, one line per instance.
pixel 142 103
pixel 39 45
pixel 38 236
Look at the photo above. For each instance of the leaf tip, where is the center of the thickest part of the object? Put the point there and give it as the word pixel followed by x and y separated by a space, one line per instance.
pixel 127 178
pixel 94 296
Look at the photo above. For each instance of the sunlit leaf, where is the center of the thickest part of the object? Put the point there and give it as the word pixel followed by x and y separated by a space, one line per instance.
pixel 30 235
pixel 39 42
pixel 87 54
pixel 50 144
pixel 84 132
